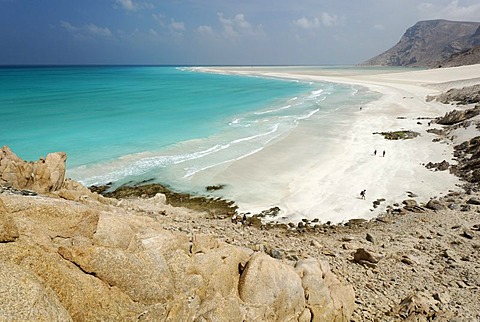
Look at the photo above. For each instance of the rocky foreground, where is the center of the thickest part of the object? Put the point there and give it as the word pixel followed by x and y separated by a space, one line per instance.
pixel 67 253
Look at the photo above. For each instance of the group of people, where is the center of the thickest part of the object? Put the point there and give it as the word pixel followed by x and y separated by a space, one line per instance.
pixel 363 192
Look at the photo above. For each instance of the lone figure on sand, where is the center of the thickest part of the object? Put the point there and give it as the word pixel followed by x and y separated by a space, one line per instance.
pixel 362 194
pixel 375 152
pixel 384 153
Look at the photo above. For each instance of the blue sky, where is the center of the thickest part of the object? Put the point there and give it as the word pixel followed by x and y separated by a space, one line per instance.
pixel 201 32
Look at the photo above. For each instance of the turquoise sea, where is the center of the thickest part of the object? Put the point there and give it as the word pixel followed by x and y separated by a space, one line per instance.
pixel 118 124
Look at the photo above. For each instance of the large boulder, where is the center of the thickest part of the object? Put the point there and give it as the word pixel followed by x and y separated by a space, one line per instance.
pixel 327 298
pixel 25 298
pixel 143 278
pixel 273 289
pixel 42 176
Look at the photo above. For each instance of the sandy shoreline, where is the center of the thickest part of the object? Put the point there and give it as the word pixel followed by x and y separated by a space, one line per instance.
pixel 328 187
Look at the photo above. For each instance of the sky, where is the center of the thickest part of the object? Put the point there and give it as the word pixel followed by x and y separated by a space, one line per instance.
pixel 211 32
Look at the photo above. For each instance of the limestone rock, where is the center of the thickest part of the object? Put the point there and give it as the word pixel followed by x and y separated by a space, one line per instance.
pixel 25 298
pixel 327 298
pixel 43 176
pixel 274 290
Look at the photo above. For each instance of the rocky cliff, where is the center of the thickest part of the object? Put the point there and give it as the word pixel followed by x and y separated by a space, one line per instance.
pixel 429 43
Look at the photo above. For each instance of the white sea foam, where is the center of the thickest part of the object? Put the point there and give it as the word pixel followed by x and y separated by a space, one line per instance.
pixel 273 110
pixel 192 171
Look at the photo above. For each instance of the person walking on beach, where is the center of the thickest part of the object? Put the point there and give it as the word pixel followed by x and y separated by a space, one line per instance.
pixel 384 153
pixel 375 152
pixel 362 193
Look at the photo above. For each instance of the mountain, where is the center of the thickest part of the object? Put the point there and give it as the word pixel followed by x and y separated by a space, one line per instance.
pixel 468 57
pixel 429 43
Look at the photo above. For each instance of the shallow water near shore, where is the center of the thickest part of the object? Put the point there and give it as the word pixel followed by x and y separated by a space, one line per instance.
pixel 178 126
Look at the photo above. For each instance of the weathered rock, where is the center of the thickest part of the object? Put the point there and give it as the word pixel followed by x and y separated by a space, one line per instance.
pixel 273 289
pixel 370 238
pixel 254 221
pixel 43 176
pixel 473 201
pixel 84 296
pixel 114 233
pixel 416 307
pixel 327 298
pixel 442 297
pixel 8 228
pixel 441 166
pixel 25 298
pixel 399 135
pixel 410 203
pixel 435 205
pixel 457 116
pixel 365 257
pixel 144 278
pixel 468 234
pixel 276 253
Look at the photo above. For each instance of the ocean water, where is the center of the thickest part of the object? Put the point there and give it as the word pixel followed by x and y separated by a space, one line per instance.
pixel 122 124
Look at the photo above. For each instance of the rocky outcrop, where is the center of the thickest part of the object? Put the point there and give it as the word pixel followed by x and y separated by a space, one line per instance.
pixel 429 43
pixel 462 96
pixel 467 57
pixel 468 155
pixel 457 116
pixel 45 175
pixel 73 255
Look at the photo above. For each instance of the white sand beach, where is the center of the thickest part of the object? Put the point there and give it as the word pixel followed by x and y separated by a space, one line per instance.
pixel 327 185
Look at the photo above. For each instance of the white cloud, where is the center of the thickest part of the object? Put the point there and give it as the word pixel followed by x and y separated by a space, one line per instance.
pixel 161 19
pixel 131 5
pixel 305 23
pixel 128 5
pixel 87 31
pixel 452 10
pixel 68 26
pixel 98 31
pixel 176 29
pixel 177 26
pixel 329 20
pixel 153 32
pixel 238 26
pixel 205 31
pixel 325 19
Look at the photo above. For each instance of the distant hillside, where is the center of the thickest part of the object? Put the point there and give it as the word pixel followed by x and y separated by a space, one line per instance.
pixel 429 43
pixel 467 57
